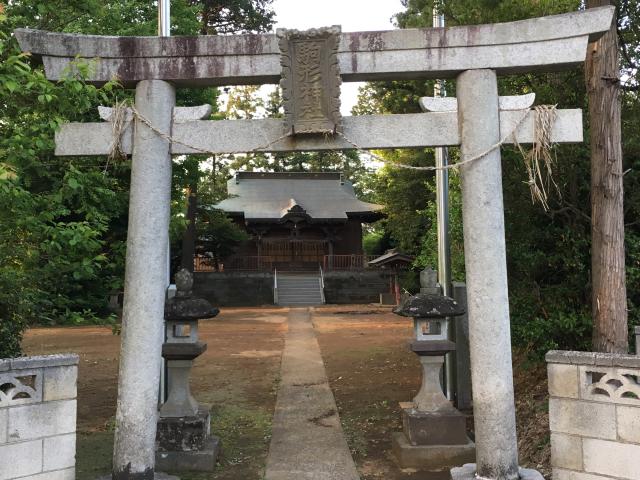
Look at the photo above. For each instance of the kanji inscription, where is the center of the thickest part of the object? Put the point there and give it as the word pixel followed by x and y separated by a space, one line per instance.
pixel 311 80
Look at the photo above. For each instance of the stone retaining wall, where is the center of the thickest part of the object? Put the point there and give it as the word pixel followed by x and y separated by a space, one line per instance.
pixel 38 417
pixel 234 289
pixel 245 289
pixel 594 414
pixel 358 286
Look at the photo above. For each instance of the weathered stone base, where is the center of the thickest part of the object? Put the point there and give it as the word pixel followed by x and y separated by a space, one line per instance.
pixel 197 460
pixel 178 434
pixel 434 428
pixel 430 457
pixel 468 472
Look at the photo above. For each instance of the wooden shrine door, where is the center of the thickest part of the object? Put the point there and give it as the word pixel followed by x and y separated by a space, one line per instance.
pixel 293 254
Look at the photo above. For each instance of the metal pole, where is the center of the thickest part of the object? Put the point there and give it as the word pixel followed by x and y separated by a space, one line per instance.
pixel 442 214
pixel 164 18
pixel 164 30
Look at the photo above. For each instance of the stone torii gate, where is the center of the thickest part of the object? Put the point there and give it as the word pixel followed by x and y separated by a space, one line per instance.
pixel 474 55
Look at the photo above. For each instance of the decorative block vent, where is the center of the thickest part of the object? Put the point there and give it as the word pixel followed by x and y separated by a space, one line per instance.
pixel 20 387
pixel 38 417
pixel 594 415
pixel 613 384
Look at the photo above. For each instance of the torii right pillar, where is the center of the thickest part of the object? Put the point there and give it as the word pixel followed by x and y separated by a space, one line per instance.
pixel 486 276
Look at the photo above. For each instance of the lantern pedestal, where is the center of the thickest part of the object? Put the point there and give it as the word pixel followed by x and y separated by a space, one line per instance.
pixel 183 438
pixel 185 443
pixel 434 436
pixel 432 458
pixel 434 428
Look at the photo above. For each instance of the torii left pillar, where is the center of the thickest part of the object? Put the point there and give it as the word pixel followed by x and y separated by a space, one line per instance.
pixel 145 285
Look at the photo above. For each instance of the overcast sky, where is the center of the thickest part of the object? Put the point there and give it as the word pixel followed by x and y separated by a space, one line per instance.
pixel 352 15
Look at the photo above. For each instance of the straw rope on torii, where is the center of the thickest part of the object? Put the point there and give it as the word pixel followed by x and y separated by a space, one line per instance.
pixel 535 159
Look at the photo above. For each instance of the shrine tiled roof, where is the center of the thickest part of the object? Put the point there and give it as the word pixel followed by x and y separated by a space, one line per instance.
pixel 392 257
pixel 276 196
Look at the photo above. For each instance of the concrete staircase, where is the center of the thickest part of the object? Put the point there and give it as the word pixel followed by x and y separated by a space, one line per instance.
pixel 299 289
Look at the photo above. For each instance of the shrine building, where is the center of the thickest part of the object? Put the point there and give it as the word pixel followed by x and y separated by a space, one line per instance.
pixel 297 221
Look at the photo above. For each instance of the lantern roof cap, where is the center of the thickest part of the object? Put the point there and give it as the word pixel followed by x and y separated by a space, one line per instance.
pixel 427 305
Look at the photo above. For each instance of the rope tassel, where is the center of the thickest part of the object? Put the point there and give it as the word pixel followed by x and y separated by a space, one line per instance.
pixel 540 161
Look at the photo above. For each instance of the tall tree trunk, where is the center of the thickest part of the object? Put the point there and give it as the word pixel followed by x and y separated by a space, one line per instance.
pixel 609 295
pixel 189 235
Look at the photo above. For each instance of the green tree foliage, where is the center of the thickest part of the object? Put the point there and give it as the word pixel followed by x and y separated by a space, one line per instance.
pixel 548 252
pixel 218 235
pixel 249 103
pixel 64 221
pixel 234 16
pixel 59 218
pixel 404 193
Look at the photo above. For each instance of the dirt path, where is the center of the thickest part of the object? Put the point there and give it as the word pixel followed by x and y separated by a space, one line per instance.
pixel 367 362
pixel 238 376
pixel 307 442
pixel 370 371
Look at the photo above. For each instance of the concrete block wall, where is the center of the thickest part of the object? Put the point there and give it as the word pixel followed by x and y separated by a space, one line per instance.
pixel 594 415
pixel 38 417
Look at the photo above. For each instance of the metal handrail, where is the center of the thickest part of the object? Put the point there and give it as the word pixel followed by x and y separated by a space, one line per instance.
pixel 322 286
pixel 347 262
pixel 275 286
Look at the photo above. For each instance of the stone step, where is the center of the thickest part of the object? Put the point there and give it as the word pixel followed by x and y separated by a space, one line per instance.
pixel 299 287
pixel 314 288
pixel 293 278
pixel 294 304
pixel 311 298
pixel 314 299
pixel 299 295
pixel 299 299
pixel 311 281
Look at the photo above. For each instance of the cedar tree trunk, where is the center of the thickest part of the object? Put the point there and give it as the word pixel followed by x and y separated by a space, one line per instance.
pixel 609 295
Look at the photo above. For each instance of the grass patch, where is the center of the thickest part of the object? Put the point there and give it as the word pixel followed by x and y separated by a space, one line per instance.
pixel 355 436
pixel 362 425
pixel 93 454
pixel 245 432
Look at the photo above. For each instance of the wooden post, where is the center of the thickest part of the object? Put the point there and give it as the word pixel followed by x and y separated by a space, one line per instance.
pixel 609 294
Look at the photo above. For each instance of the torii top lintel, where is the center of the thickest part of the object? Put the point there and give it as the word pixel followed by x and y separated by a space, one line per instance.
pixel 539 44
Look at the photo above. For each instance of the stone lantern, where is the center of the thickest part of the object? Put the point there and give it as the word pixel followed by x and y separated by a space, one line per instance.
pixel 434 432
pixel 183 440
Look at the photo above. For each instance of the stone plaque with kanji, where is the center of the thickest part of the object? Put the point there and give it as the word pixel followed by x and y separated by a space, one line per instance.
pixel 311 80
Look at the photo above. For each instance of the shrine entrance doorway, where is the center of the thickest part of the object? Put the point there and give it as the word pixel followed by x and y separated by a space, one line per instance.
pixel 291 254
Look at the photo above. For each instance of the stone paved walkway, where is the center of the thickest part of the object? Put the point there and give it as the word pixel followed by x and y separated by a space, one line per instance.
pixel 307 441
